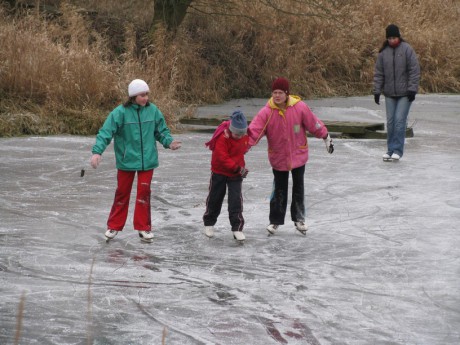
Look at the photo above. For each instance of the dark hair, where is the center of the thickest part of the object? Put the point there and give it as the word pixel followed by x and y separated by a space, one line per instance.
pixel 131 101
pixel 386 44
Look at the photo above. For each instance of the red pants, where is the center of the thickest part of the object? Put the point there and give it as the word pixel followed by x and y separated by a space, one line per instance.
pixel 142 214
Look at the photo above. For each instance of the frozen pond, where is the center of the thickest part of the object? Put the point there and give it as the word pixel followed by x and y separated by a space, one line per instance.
pixel 380 263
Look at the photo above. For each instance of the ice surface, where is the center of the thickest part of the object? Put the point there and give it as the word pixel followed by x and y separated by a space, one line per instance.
pixel 380 263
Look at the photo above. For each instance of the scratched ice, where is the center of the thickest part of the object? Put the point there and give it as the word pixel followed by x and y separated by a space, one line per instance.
pixel 380 263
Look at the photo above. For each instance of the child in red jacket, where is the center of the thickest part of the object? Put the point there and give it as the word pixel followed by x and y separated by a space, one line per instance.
pixel 229 144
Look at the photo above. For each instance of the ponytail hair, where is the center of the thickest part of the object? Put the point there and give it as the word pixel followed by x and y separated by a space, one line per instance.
pixel 129 101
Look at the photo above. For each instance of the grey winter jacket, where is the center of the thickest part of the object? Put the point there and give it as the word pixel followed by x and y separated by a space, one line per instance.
pixel 397 71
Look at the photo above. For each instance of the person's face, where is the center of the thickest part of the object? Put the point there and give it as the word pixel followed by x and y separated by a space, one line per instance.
pixel 393 40
pixel 142 98
pixel 237 136
pixel 279 97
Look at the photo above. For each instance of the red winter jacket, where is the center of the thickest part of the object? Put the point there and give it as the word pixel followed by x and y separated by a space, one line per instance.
pixel 228 154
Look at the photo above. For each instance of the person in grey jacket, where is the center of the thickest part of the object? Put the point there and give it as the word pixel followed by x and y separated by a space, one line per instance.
pixel 397 76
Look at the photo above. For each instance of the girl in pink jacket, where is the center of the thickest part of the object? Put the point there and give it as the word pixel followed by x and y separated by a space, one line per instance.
pixel 284 120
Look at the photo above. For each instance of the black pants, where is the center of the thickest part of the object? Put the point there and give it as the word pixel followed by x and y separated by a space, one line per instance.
pixel 217 189
pixel 279 197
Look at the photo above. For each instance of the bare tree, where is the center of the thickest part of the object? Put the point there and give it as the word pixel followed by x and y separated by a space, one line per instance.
pixel 171 13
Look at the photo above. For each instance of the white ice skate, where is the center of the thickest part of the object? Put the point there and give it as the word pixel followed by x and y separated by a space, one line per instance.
pixel 395 157
pixel 301 227
pixel 239 236
pixel 209 231
pixel 146 236
pixel 272 228
pixel 109 234
pixel 386 157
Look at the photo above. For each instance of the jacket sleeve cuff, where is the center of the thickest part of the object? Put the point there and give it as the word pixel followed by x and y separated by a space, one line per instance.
pixel 168 144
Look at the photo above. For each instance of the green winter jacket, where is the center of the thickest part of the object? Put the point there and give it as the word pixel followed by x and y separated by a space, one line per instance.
pixel 135 130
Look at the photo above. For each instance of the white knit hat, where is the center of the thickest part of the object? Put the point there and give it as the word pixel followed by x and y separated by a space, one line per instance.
pixel 136 87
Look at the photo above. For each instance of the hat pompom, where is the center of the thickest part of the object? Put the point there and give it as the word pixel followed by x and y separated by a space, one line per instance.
pixel 238 123
pixel 136 87
pixel 281 84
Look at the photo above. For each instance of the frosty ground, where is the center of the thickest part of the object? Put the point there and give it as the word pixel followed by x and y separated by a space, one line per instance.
pixel 380 263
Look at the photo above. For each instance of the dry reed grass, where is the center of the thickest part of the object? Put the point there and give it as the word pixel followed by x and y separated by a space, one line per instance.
pixel 19 319
pixel 89 315
pixel 63 76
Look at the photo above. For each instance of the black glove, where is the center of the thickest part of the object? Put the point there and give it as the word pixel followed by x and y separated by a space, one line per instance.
pixel 377 98
pixel 411 95
pixel 244 172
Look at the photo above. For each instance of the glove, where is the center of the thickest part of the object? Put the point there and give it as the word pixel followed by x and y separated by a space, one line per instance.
pixel 95 160
pixel 411 95
pixel 329 145
pixel 244 172
pixel 377 98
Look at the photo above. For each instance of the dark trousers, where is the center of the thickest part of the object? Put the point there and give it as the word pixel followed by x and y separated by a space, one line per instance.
pixel 217 189
pixel 279 197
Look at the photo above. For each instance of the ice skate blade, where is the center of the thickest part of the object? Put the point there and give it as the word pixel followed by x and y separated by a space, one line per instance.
pixel 303 232
pixel 146 240
pixel 388 159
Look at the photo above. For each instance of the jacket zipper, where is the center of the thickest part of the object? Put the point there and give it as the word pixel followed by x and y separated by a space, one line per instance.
pixel 289 163
pixel 394 71
pixel 142 143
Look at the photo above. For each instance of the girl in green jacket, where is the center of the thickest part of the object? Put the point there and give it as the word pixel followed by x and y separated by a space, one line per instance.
pixel 135 126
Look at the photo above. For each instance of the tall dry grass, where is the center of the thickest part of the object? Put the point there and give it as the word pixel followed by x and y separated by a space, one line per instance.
pixel 49 71
pixel 63 75
pixel 322 56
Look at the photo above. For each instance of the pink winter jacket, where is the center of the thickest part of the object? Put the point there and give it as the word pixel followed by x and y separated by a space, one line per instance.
pixel 286 132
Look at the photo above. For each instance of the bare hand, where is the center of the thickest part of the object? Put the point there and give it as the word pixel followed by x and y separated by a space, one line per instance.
pixel 175 145
pixel 95 160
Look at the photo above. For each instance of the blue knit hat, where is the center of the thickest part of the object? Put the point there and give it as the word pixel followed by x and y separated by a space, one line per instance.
pixel 238 123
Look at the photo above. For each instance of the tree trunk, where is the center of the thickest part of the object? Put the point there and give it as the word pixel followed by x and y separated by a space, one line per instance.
pixel 170 13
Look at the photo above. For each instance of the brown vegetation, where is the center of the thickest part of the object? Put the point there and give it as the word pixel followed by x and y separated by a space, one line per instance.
pixel 62 73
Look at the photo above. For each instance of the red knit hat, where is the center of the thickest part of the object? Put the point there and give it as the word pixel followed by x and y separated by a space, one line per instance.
pixel 281 84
